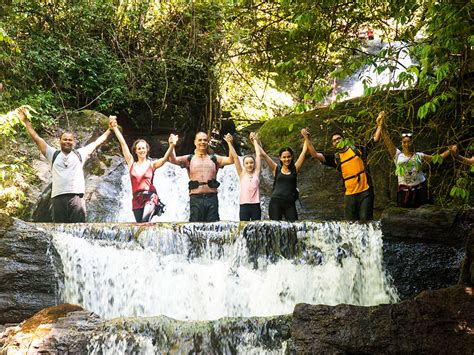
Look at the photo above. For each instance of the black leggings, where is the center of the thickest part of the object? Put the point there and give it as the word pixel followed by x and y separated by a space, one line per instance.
pixel 250 212
pixel 278 208
pixel 144 214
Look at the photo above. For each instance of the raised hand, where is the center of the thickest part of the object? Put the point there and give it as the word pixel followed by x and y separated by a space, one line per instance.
pixel 22 113
pixel 454 150
pixel 112 122
pixel 228 138
pixel 380 118
pixel 173 139
pixel 305 133
pixel 253 136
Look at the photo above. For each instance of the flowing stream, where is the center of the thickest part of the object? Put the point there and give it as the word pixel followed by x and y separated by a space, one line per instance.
pixel 224 287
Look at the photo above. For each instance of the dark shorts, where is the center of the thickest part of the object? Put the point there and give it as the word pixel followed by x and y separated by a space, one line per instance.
pixel 144 214
pixel 359 207
pixel 413 196
pixel 203 208
pixel 250 212
pixel 69 208
pixel 278 208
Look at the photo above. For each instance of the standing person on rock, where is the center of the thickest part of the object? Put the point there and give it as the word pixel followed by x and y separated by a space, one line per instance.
pixel 249 176
pixel 145 201
pixel 285 191
pixel 67 168
pixel 412 185
pixel 202 171
pixel 351 162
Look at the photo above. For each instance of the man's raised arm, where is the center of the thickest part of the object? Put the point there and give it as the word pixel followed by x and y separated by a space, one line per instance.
pixel 40 142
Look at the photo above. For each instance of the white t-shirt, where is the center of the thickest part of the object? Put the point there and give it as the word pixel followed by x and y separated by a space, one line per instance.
pixel 67 171
pixel 409 168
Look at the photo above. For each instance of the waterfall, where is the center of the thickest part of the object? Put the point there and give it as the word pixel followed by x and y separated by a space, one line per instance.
pixel 210 271
pixel 371 74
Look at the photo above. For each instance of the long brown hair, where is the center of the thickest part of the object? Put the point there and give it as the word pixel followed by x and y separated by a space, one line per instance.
pixel 134 146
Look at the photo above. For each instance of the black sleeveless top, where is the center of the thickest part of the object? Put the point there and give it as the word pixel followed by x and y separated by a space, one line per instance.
pixel 284 186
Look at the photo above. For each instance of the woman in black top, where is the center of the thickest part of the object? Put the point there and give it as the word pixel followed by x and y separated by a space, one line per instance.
pixel 285 194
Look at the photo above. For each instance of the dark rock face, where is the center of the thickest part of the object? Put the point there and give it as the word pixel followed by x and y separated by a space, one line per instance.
pixel 467 268
pixel 28 261
pixel 414 267
pixel 102 191
pixel 423 247
pixel 436 322
pixel 427 223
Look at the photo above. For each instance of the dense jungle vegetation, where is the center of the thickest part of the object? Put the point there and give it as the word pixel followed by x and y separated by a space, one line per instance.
pixel 183 65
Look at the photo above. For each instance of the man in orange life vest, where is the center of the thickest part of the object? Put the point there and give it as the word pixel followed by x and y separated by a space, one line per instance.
pixel 350 161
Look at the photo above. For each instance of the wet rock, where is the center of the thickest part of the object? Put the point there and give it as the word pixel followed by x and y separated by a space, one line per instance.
pixel 70 329
pixel 416 266
pixel 423 248
pixel 427 223
pixel 63 329
pixel 28 280
pixel 270 240
pixel 435 322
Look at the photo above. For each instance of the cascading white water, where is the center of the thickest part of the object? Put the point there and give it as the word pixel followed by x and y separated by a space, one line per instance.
pixel 354 85
pixel 189 273
pixel 171 182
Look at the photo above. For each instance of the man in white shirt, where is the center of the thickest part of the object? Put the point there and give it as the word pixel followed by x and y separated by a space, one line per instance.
pixel 67 197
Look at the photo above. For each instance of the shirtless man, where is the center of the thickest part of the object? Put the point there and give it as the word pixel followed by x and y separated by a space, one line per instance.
pixel 202 171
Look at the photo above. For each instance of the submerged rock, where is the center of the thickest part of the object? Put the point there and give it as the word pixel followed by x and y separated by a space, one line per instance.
pixel 435 322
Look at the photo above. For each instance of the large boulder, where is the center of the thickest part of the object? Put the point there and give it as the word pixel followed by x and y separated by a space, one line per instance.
pixel 30 270
pixel 436 322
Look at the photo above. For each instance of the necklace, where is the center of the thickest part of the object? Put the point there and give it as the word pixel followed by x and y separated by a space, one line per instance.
pixel 66 160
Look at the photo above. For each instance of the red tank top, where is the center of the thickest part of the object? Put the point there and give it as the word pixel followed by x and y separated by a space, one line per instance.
pixel 143 182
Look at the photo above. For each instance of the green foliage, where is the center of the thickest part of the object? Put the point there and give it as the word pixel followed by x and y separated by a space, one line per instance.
pixel 15 178
pixel 153 59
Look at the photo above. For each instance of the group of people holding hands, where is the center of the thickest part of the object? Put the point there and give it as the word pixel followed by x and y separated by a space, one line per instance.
pixel 68 182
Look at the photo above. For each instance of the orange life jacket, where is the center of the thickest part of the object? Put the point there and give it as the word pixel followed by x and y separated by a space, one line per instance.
pixel 352 168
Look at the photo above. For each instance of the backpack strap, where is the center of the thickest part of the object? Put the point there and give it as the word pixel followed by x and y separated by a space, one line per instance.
pixel 212 156
pixel 56 153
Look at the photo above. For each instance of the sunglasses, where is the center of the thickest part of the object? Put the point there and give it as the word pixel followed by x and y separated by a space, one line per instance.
pixel 337 139
pixel 406 134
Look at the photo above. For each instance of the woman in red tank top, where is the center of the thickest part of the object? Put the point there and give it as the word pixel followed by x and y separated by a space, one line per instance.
pixel 145 198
